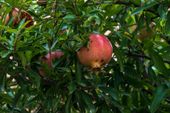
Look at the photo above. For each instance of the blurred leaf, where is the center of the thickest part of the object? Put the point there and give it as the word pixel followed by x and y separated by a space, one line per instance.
pixel 167 25
pixel 88 101
pixel 112 92
pixel 160 94
pixel 162 10
pixel 28 55
pixel 69 17
pixel 6 98
pixel 4 54
pixel 119 56
pixel 146 6
pixel 112 9
pixel 165 53
pixel 78 72
pixel 10 30
pixel 158 61
pixel 22 58
pixel 68 106
pixel 91 19
pixel 71 87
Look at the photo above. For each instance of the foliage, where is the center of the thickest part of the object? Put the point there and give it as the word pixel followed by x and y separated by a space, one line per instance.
pixel 135 81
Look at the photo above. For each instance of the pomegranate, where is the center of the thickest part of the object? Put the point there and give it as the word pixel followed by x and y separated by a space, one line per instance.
pixel 47 59
pixel 98 52
pixel 52 56
pixel 18 15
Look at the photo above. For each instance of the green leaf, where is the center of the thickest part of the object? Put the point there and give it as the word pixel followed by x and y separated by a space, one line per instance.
pixel 88 101
pixel 6 98
pixel 71 87
pixel 112 92
pixel 28 55
pixel 162 10
pixel 17 97
pixel 120 59
pixel 165 53
pixel 2 82
pixel 10 30
pixel 90 20
pixel 78 72
pixel 146 6
pixel 160 94
pixel 35 78
pixel 158 61
pixel 4 54
pixel 68 107
pixel 167 25
pixel 22 58
pixel 69 17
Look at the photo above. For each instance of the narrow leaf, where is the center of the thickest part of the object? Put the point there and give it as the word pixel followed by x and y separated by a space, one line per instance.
pixel 22 58
pixel 167 25
pixel 158 61
pixel 67 107
pixel 146 6
pixel 159 96
pixel 88 102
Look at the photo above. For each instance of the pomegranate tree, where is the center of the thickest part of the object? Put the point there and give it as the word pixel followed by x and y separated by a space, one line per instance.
pixel 97 53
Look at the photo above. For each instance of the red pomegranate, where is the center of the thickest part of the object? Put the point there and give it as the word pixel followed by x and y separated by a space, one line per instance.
pixel 18 15
pixel 98 52
pixel 52 56
pixel 48 59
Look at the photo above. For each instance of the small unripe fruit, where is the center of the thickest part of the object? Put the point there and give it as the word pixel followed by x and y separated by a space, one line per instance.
pixel 19 15
pixel 98 52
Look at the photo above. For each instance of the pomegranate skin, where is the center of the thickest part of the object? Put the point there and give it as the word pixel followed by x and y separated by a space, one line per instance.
pixel 98 52
pixel 18 16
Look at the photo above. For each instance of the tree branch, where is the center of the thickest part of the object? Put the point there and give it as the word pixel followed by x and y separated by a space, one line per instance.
pixel 144 56
pixel 123 3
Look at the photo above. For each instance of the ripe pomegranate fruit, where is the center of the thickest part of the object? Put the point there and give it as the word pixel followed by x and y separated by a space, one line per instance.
pixel 19 15
pixel 98 52
pixel 48 59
